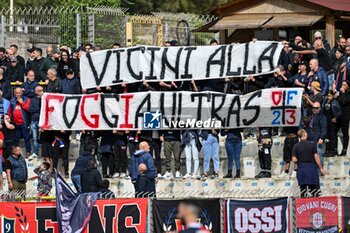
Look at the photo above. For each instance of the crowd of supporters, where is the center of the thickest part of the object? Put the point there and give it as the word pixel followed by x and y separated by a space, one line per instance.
pixel 320 70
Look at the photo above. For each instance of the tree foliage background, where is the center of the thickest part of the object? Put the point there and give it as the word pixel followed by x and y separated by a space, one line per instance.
pixel 135 6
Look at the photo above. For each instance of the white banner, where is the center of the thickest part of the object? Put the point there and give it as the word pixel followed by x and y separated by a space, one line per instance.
pixel 163 110
pixel 128 65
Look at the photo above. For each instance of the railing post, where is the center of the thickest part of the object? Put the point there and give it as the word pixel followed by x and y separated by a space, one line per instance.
pixel 128 34
pixel 78 30
pixel 3 31
pixel 91 32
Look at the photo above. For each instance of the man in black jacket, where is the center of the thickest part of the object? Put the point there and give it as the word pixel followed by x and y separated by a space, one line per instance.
pixel 34 109
pixel 29 85
pixel 54 84
pixel 343 97
pixel 71 84
pixel 91 178
pixel 81 164
pixel 36 63
pixel 5 85
pixel 318 123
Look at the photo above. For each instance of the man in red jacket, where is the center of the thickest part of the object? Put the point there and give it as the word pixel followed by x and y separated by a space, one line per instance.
pixel 19 113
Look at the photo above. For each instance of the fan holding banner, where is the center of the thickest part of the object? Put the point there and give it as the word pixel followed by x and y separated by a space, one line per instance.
pixel 73 210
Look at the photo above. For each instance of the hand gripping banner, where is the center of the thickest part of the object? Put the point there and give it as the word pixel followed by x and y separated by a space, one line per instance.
pixel 129 65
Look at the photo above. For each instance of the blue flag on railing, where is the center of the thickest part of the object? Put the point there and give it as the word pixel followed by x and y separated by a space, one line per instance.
pixel 73 210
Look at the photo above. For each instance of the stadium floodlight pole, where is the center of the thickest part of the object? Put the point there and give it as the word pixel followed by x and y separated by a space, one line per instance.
pixel 11 15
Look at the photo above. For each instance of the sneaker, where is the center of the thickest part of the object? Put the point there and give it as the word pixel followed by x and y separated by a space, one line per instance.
pixel 122 175
pixel 177 174
pixel 196 177
pixel 187 176
pixel 263 174
pixel 259 175
pixel 294 174
pixel 204 175
pixel 106 176
pixel 168 175
pixel 228 175
pixel 115 175
pixel 159 176
pixel 343 153
pixel 267 175
pixel 215 175
pixel 283 175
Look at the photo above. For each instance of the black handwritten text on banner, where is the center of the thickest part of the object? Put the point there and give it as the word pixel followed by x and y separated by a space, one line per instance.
pixel 267 107
pixel 133 64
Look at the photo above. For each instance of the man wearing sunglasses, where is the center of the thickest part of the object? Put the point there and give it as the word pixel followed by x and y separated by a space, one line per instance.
pixel 318 124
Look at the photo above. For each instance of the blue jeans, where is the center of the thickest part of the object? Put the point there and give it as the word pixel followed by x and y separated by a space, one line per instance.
pixel 321 149
pixel 233 151
pixel 330 77
pixel 76 182
pixel 1 170
pixel 210 151
pixel 35 133
pixel 23 131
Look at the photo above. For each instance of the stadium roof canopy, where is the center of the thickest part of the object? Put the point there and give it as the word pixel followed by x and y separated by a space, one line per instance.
pixel 276 14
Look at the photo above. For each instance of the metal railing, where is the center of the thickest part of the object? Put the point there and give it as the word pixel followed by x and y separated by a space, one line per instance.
pixel 32 194
pixel 72 26
pixel 99 25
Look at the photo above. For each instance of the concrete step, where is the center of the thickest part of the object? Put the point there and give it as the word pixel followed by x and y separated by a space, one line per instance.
pixel 228 188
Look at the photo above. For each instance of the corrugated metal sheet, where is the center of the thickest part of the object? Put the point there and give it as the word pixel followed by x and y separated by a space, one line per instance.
pixel 338 5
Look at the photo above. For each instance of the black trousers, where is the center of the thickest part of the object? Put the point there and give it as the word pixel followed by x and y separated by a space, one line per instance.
pixel 120 159
pixel 61 153
pixel 107 162
pixel 332 146
pixel 156 146
pixel 133 146
pixel 265 159
pixel 344 125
